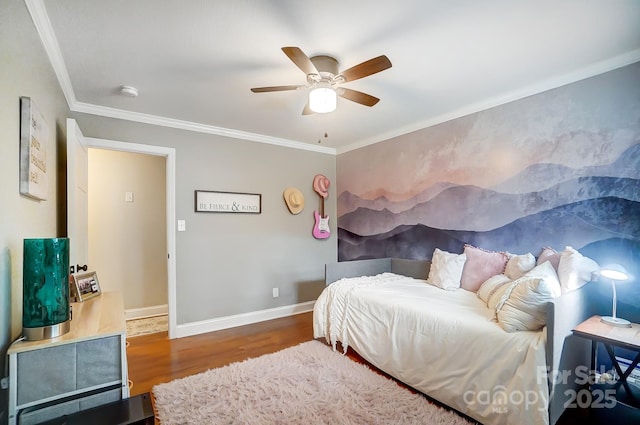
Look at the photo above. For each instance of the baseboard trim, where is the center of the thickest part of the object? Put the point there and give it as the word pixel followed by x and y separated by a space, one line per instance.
pixel 220 323
pixel 143 312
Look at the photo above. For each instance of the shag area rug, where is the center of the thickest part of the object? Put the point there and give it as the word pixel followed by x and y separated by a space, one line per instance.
pixel 306 384
pixel 148 325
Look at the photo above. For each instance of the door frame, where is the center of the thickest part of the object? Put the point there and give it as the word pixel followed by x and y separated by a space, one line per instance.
pixel 170 186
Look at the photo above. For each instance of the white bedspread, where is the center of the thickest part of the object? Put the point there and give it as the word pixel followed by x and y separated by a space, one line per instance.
pixel 442 343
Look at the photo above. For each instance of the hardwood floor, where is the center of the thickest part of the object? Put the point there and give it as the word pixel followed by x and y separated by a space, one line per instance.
pixel 155 359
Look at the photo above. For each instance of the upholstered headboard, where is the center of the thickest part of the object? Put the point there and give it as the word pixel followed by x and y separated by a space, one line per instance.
pixel 418 269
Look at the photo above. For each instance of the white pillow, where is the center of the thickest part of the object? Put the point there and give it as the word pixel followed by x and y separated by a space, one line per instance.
pixel 491 286
pixel 523 305
pixel 518 265
pixel 549 254
pixel 446 269
pixel 574 269
pixel 497 295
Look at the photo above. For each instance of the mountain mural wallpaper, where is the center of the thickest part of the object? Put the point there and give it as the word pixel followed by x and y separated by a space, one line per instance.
pixel 560 168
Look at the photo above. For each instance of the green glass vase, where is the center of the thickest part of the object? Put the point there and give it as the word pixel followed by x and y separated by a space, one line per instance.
pixel 45 300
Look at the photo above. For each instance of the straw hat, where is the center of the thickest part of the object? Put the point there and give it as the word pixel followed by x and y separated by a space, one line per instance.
pixel 294 200
pixel 321 185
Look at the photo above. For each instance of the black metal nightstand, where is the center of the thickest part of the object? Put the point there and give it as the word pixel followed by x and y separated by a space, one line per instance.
pixel 610 336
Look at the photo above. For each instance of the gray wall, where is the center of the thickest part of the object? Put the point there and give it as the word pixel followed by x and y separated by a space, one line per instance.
pixel 24 71
pixel 227 264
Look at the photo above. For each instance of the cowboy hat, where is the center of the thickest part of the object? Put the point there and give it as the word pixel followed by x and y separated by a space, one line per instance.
pixel 321 185
pixel 294 200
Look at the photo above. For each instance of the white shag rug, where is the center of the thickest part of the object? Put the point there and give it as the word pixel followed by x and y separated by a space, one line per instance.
pixel 306 384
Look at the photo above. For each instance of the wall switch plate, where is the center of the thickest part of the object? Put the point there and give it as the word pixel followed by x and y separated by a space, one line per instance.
pixel 128 196
pixel 182 225
pixel 276 293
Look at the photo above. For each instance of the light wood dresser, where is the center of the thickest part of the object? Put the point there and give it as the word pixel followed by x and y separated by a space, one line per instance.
pixel 83 368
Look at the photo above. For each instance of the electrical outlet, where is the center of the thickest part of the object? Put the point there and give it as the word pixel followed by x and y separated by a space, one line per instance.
pixel 182 225
pixel 276 293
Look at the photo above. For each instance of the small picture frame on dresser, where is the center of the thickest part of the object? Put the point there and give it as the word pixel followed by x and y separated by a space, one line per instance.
pixel 85 286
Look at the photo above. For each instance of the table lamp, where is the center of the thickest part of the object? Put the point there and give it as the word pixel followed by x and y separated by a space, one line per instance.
pixel 45 291
pixel 615 272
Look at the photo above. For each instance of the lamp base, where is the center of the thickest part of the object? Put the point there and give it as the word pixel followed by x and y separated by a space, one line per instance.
pixel 616 321
pixel 46 332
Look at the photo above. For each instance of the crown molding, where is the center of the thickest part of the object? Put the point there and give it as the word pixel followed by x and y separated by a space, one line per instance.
pixel 549 84
pixel 43 25
pixel 120 114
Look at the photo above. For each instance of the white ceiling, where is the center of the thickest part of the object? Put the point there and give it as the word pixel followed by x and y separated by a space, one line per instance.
pixel 194 61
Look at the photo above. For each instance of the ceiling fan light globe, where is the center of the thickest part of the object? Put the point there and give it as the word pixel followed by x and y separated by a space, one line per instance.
pixel 323 99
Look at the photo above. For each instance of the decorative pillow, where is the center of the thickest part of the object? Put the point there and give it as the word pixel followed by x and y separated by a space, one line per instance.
pixel 480 266
pixel 551 255
pixel 523 307
pixel 574 269
pixel 446 269
pixel 491 286
pixel 518 265
pixel 497 295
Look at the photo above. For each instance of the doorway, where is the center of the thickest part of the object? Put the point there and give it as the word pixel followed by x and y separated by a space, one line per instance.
pixel 127 241
pixel 129 264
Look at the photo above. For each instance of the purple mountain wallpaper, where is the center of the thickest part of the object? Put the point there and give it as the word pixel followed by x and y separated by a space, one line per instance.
pixel 554 169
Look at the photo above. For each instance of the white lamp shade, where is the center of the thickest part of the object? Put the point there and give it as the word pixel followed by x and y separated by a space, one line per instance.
pixel 614 272
pixel 322 98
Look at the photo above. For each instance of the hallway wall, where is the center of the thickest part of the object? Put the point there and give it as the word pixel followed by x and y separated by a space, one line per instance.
pixel 128 240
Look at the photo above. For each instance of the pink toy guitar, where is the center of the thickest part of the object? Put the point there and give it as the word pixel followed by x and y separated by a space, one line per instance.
pixel 321 225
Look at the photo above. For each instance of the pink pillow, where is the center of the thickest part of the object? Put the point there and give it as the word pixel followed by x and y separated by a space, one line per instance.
pixel 480 266
pixel 550 255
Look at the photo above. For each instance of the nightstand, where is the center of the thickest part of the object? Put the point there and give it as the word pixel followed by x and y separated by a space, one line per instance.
pixel 84 368
pixel 610 336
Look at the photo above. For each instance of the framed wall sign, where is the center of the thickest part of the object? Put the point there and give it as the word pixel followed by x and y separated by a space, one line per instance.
pixel 228 202
pixel 85 286
pixel 34 136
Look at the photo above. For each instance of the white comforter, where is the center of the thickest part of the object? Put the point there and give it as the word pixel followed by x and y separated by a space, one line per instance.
pixel 445 344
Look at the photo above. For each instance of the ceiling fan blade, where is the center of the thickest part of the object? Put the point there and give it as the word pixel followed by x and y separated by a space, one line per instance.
pixel 357 96
pixel 370 67
pixel 275 88
pixel 307 110
pixel 301 60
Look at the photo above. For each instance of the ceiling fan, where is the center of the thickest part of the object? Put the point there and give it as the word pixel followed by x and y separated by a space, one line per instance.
pixel 324 80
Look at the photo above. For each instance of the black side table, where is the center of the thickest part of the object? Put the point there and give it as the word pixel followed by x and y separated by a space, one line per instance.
pixel 610 336
pixel 137 410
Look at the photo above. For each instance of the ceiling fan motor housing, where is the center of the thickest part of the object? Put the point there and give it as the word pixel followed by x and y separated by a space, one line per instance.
pixel 327 67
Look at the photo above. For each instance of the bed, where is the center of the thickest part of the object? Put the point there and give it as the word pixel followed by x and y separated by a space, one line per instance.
pixel 446 345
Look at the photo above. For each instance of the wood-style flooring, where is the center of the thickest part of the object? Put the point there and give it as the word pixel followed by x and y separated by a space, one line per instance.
pixel 154 359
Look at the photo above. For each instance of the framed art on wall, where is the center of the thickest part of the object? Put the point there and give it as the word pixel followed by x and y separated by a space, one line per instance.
pixel 85 286
pixel 228 202
pixel 34 136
